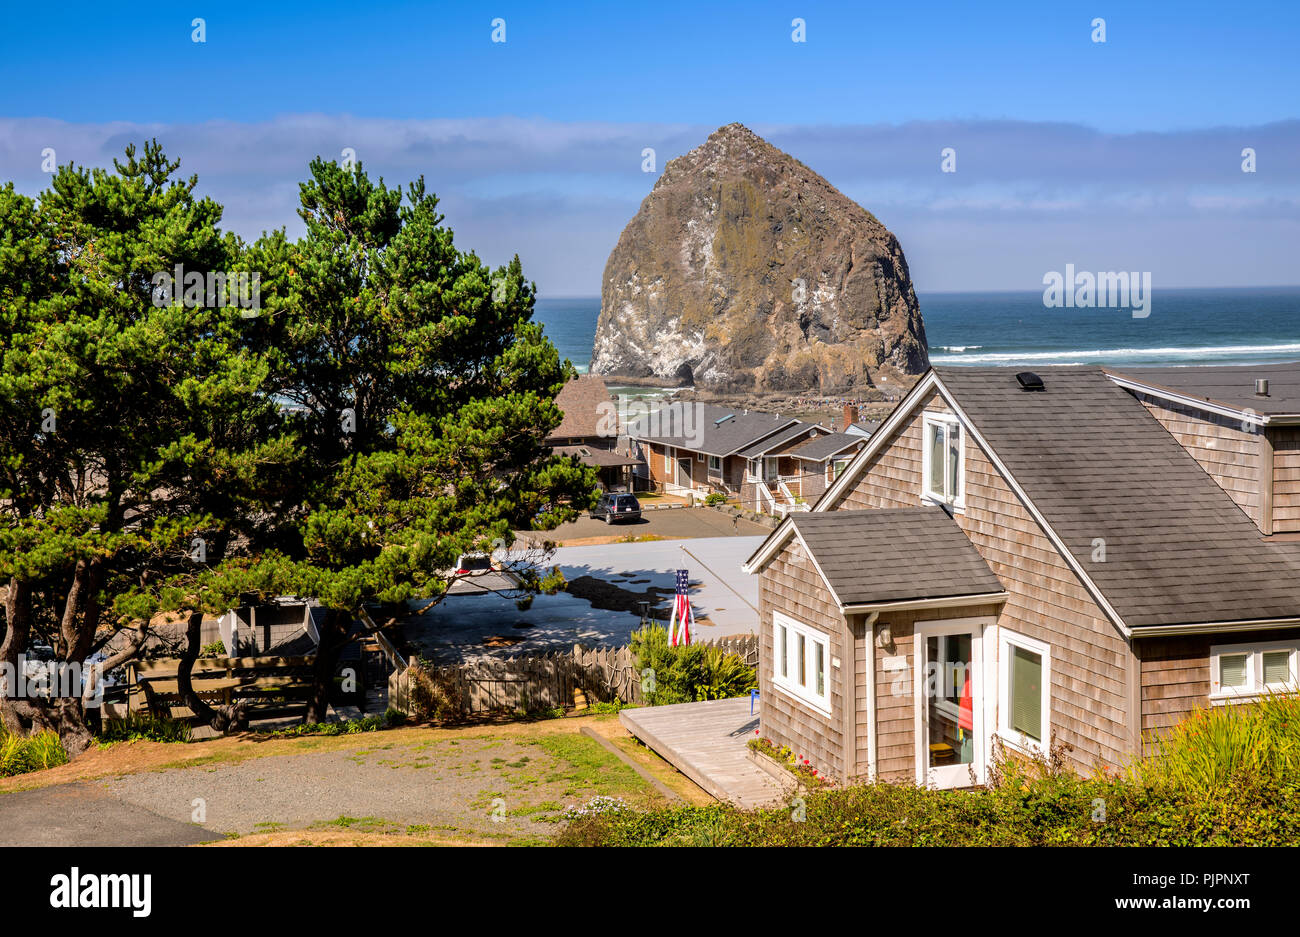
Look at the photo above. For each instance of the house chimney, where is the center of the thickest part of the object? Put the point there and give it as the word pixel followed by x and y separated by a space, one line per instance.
pixel 850 414
pixel 1261 387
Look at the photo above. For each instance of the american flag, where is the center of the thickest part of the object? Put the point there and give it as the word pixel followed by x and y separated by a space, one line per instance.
pixel 679 626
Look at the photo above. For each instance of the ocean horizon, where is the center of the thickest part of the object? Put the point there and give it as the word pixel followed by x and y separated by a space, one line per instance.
pixel 1189 326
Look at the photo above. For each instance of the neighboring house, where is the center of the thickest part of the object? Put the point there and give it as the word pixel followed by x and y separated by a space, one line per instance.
pixel 767 462
pixel 589 432
pixel 1052 561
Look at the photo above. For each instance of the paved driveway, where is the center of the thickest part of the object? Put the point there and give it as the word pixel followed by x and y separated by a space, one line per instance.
pixel 617 576
pixel 674 523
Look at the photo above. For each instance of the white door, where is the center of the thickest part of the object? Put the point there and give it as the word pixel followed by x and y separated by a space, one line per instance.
pixel 949 700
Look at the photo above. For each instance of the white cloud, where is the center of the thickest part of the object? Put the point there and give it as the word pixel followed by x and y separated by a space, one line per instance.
pixel 558 193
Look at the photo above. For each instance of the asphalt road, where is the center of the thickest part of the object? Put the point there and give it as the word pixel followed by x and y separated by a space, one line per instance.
pixel 83 814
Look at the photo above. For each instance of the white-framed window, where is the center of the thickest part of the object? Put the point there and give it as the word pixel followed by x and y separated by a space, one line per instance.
pixel 770 472
pixel 801 659
pixel 943 454
pixel 1248 670
pixel 699 457
pixel 1024 691
pixel 715 465
pixel 753 468
pixel 835 468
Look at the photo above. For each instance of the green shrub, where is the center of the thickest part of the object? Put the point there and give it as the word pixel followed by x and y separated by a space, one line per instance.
pixel 1226 777
pixel 215 649
pixel 144 727
pixel 687 673
pixel 1218 746
pixel 714 498
pixel 22 754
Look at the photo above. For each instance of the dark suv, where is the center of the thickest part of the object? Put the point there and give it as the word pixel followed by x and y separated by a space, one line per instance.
pixel 618 506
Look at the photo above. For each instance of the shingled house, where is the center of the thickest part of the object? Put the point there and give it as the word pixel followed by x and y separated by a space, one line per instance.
pixel 766 462
pixel 1074 555
pixel 589 432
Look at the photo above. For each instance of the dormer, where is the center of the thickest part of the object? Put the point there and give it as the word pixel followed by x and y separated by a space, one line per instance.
pixel 1241 423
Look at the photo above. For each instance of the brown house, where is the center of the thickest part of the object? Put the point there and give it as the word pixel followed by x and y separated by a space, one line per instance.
pixel 589 432
pixel 1072 556
pixel 766 462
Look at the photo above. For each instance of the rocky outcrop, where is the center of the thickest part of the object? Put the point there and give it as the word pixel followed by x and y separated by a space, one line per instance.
pixel 744 270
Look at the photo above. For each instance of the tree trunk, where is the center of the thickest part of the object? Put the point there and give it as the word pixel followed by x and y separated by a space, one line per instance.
pixel 22 716
pixel 333 638
pixel 225 718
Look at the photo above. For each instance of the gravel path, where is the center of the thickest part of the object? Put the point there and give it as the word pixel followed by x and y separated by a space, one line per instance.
pixel 481 788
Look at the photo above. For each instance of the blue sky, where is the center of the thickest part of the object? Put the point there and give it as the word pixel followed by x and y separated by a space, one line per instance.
pixel 1123 154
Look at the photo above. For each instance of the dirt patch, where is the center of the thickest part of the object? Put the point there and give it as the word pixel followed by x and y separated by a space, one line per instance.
pixel 501 640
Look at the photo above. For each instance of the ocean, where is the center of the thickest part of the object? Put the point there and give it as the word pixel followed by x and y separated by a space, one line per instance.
pixel 1184 327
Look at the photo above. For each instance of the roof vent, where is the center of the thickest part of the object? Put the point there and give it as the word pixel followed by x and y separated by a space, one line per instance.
pixel 1030 381
pixel 1261 387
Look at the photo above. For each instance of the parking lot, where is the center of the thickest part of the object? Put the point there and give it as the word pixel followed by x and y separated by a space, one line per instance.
pixel 607 583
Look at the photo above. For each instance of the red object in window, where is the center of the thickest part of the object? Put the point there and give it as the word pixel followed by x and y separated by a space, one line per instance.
pixel 966 712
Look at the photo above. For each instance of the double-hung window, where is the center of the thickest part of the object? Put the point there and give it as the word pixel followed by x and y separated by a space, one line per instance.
pixel 1024 691
pixel 801 662
pixel 943 454
pixel 1246 670
pixel 715 465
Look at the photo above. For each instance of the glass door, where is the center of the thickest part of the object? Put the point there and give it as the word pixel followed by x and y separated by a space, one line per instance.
pixel 950 705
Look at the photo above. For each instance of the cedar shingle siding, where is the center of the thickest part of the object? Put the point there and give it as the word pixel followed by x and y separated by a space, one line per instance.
pixel 1229 454
pixel 1286 479
pixel 790 585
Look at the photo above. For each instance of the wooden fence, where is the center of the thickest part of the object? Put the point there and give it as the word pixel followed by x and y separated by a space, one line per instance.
pixel 541 681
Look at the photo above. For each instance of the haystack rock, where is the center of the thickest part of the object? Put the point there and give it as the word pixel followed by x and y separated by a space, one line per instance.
pixel 744 270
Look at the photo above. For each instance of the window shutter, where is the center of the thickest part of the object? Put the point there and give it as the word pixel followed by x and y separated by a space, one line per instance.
pixel 1026 693
pixel 1277 667
pixel 1232 670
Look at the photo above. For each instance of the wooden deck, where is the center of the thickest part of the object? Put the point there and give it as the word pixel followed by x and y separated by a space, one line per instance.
pixel 707 743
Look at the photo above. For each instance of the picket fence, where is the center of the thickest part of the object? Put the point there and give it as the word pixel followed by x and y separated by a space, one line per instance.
pixel 542 681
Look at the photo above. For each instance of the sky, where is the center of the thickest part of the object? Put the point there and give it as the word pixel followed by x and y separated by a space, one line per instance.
pixel 1116 155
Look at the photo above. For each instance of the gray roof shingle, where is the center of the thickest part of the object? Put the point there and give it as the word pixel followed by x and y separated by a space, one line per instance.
pixel 824 445
pixel 894 554
pixel 704 427
pixel 1229 385
pixel 1100 467
pixel 796 430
